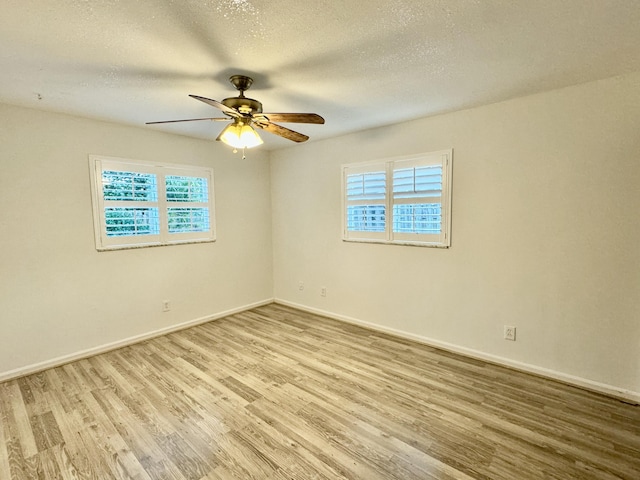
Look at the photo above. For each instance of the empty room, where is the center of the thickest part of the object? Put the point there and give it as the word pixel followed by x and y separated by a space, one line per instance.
pixel 250 239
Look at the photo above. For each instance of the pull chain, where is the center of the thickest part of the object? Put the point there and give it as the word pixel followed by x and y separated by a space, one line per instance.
pixel 244 151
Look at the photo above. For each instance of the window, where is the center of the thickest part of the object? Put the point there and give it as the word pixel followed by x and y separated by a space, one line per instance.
pixel 139 204
pixel 403 200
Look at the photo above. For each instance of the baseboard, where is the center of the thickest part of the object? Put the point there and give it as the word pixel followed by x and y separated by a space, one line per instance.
pixel 627 396
pixel 56 362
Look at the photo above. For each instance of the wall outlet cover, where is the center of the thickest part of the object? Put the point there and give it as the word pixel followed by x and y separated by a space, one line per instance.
pixel 510 333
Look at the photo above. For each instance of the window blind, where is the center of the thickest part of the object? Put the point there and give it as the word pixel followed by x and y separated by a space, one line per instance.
pixel 366 198
pixel 417 193
pixel 402 200
pixel 146 204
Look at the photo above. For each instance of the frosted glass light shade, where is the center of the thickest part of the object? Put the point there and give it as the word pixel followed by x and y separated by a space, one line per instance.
pixel 240 135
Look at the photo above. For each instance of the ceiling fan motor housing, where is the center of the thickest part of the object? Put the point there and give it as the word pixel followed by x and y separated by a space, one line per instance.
pixel 243 104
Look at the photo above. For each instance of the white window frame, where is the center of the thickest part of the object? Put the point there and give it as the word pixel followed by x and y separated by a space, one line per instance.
pixel 98 164
pixel 442 158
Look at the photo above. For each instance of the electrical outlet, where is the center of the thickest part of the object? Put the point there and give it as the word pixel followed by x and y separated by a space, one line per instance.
pixel 300 285
pixel 510 333
pixel 166 305
pixel 323 291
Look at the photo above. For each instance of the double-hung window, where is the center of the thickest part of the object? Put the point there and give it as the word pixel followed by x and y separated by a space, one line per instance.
pixel 402 200
pixel 139 204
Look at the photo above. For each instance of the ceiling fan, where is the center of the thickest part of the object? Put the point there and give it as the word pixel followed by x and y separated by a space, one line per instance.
pixel 246 113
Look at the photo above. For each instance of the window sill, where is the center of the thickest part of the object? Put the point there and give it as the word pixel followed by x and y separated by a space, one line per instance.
pixel 397 242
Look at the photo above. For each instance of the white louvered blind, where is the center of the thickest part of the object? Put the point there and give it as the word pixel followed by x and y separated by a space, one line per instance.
pixel 417 200
pixel 146 204
pixel 187 204
pixel 366 194
pixel 403 200
pixel 130 203
pixel 366 201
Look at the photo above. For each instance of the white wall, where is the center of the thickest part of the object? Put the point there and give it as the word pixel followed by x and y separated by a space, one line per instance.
pixel 546 233
pixel 58 295
pixel 546 236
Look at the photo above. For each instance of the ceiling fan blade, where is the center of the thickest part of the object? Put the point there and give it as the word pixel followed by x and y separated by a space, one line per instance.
pixel 217 104
pixel 293 117
pixel 213 119
pixel 282 132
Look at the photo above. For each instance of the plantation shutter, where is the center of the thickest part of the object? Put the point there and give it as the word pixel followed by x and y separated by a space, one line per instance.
pixel 145 204
pixel 188 204
pixel 402 200
pixel 417 199
pixel 365 202
pixel 128 204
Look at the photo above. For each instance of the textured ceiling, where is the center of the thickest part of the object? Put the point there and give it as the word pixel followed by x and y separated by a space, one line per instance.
pixel 358 63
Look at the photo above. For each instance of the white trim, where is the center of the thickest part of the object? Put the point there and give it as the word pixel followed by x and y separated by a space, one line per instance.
pixel 627 396
pixel 90 352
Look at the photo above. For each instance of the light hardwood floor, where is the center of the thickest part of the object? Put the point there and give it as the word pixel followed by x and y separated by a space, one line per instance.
pixel 275 393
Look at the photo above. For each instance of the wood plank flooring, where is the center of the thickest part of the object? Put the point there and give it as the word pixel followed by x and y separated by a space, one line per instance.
pixel 275 393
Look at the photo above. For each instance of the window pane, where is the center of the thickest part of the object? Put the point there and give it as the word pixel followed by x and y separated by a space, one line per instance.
pixel 183 220
pixel 131 221
pixel 129 186
pixel 417 218
pixel 366 186
pixel 417 182
pixel 186 189
pixel 366 218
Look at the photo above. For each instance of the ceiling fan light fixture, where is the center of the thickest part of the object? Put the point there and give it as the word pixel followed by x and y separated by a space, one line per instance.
pixel 246 112
pixel 240 135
